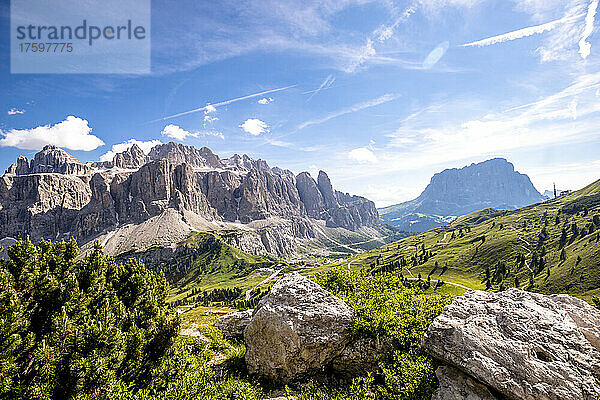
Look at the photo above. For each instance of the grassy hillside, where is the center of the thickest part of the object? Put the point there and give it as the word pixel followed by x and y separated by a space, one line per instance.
pixel 549 247
pixel 209 263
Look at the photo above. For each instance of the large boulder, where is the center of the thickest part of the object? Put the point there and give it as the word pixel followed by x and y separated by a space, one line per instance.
pixel 234 324
pixel 297 329
pixel 526 346
pixel 455 385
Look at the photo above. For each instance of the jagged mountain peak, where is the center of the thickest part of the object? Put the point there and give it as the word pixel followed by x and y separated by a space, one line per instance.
pixel 51 159
pixel 178 153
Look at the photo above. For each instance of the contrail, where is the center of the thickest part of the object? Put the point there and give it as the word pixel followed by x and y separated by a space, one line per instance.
pixel 521 33
pixel 222 103
pixel 326 84
pixel 357 107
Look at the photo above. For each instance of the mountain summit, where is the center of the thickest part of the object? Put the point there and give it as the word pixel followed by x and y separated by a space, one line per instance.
pixel 454 192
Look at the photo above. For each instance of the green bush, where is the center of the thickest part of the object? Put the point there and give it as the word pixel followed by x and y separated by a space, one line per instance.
pixel 90 329
pixel 384 306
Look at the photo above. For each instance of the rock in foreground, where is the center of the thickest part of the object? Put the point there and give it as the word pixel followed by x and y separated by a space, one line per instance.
pixel 523 345
pixel 233 325
pixel 296 330
pixel 454 385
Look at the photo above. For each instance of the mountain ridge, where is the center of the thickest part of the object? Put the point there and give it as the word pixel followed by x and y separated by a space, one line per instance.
pixel 171 191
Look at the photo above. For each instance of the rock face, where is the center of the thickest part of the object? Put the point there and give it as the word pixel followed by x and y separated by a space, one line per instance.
pixel 234 324
pixel 455 192
pixel 55 196
pixel 296 330
pixel 523 345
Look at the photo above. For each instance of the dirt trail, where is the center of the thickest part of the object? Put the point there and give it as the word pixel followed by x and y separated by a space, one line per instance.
pixel 526 248
pixel 273 275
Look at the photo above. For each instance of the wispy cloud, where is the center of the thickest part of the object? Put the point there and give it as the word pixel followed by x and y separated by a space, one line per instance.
pixel 146 146
pixel 521 33
pixel 265 100
pixel 15 111
pixel 585 47
pixel 211 107
pixel 385 32
pixel 569 116
pixel 355 108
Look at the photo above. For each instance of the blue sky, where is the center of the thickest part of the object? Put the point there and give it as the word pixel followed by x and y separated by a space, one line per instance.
pixel 379 94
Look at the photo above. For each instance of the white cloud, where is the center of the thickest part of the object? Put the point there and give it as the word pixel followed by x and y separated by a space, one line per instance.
pixel 208 119
pixel 178 133
pixel 521 33
pixel 73 133
pixel 146 146
pixel 584 46
pixel 362 154
pixel 265 100
pixel 14 111
pixel 214 133
pixel 357 107
pixel 255 126
pixel 209 109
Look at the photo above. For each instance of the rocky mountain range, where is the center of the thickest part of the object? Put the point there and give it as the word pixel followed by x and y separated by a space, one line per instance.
pixel 454 192
pixel 141 200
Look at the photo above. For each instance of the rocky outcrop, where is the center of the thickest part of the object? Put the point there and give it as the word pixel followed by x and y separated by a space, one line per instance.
pixel 234 324
pixel 132 158
pixel 310 195
pixel 339 210
pixel 56 196
pixel 455 192
pixel 296 330
pixel 50 160
pixel 523 345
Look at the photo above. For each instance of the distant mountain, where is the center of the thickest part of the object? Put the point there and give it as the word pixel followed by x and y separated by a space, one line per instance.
pixel 454 192
pixel 139 201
